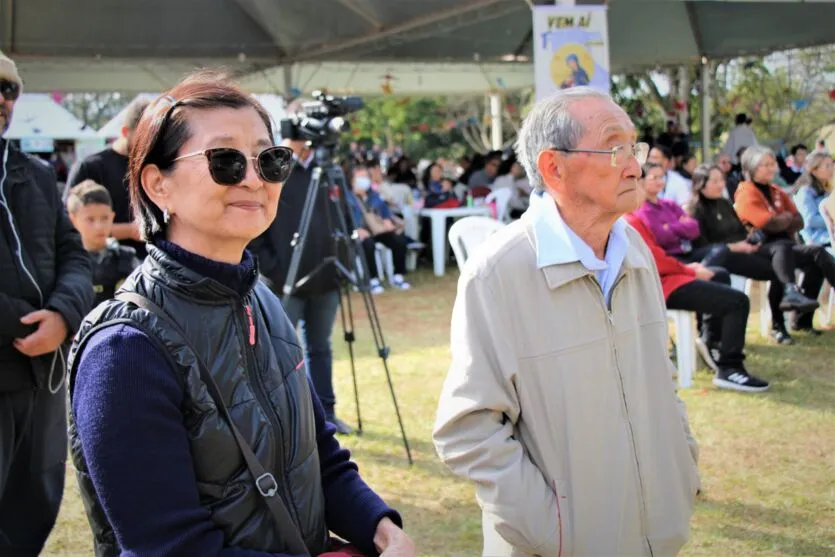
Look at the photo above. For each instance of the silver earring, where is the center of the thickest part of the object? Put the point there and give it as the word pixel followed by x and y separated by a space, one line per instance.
pixel 166 216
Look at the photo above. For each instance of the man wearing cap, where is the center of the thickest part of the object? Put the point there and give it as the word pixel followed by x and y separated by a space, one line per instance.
pixel 45 290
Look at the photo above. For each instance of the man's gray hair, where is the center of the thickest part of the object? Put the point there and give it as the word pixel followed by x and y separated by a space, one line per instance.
pixel 752 157
pixel 550 124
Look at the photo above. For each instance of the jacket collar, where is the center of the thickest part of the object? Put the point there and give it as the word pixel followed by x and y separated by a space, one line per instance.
pixel 561 274
pixel 161 267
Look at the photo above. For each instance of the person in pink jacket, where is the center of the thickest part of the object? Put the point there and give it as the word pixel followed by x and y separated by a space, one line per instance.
pixel 673 229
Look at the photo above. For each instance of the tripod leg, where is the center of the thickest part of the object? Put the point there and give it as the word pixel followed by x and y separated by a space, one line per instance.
pixel 346 222
pixel 348 331
pixel 383 351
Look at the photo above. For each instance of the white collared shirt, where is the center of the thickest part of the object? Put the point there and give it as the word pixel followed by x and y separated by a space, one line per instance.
pixel 678 188
pixel 557 244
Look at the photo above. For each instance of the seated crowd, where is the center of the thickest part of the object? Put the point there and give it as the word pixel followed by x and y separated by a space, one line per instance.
pixel 704 223
pixel 700 241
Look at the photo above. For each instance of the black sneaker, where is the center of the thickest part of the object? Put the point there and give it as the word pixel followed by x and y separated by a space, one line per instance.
pixel 738 379
pixel 782 336
pixel 794 300
pixel 709 354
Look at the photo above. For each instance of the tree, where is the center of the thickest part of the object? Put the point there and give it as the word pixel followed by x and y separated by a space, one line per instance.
pixel 787 95
pixel 430 127
pixel 472 117
pixel 95 109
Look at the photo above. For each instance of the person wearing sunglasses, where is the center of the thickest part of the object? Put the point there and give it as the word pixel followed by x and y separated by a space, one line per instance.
pixel 46 288
pixel 194 427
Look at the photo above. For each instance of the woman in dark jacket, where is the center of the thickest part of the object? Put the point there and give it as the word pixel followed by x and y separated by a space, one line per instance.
pixel 195 363
pixel 728 244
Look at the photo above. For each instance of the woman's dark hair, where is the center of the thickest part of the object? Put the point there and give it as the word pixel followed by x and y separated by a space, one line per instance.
pixel 427 174
pixel 700 177
pixel 506 165
pixel 702 174
pixel 163 130
pixel 664 150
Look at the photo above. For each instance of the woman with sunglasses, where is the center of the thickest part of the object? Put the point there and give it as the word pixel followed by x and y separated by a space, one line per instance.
pixel 192 379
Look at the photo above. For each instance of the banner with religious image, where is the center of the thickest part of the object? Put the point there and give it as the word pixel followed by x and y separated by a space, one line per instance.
pixel 570 48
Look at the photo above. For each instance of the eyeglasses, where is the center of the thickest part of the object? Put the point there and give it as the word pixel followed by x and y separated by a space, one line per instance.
pixel 228 166
pixel 10 90
pixel 619 155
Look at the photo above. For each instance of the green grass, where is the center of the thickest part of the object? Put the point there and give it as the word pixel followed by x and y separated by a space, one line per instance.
pixel 767 462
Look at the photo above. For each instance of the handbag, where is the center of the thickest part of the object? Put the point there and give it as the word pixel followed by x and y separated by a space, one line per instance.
pixel 372 220
pixel 265 482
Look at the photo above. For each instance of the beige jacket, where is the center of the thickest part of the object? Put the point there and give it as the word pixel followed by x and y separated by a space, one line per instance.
pixel 562 411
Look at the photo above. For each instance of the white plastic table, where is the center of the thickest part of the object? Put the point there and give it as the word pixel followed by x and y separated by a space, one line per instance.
pixel 440 246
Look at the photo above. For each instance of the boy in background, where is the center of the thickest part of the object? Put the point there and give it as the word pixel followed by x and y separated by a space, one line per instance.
pixel 91 212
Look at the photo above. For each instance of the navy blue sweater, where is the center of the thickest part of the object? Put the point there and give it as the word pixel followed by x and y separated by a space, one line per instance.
pixel 126 405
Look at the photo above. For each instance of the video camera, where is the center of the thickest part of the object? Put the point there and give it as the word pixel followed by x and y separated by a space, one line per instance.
pixel 321 121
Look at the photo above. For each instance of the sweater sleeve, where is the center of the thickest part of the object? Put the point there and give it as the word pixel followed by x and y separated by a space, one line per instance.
pixel 126 403
pixel 667 265
pixel 751 206
pixel 809 209
pixel 352 509
pixel 665 237
pixel 688 228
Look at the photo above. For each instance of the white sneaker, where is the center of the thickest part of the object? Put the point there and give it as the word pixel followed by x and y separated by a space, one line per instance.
pixel 400 283
pixel 375 287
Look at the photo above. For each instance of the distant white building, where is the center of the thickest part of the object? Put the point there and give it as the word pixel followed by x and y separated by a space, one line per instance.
pixel 38 122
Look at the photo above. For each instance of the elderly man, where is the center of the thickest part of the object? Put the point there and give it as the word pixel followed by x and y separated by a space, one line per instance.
pixel 560 403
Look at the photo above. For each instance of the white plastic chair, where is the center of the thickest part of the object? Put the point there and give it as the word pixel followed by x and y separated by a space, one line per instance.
pixel 745 285
pixel 384 259
pixel 685 346
pixel 502 198
pixel 467 234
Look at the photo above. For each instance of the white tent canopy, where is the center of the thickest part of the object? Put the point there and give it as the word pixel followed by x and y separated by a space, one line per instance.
pixel 38 116
pixel 274 105
pixel 90 45
pixel 405 78
pixel 362 78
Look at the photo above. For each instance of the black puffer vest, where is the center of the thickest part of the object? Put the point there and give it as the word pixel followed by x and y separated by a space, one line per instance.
pixel 251 350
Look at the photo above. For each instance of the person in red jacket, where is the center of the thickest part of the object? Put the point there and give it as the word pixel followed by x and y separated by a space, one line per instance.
pixel 707 291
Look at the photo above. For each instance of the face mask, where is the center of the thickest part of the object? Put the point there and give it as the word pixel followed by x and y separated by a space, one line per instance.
pixel 362 183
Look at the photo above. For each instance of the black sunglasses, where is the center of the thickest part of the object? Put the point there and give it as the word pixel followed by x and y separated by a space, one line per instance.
pixel 10 90
pixel 228 166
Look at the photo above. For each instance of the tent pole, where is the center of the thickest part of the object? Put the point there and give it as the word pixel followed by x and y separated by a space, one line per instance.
pixel 706 116
pixel 496 121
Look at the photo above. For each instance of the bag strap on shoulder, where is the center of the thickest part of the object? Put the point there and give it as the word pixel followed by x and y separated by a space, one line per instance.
pixel 265 482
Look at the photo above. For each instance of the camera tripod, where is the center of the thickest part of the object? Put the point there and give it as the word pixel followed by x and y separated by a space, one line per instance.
pixel 328 182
